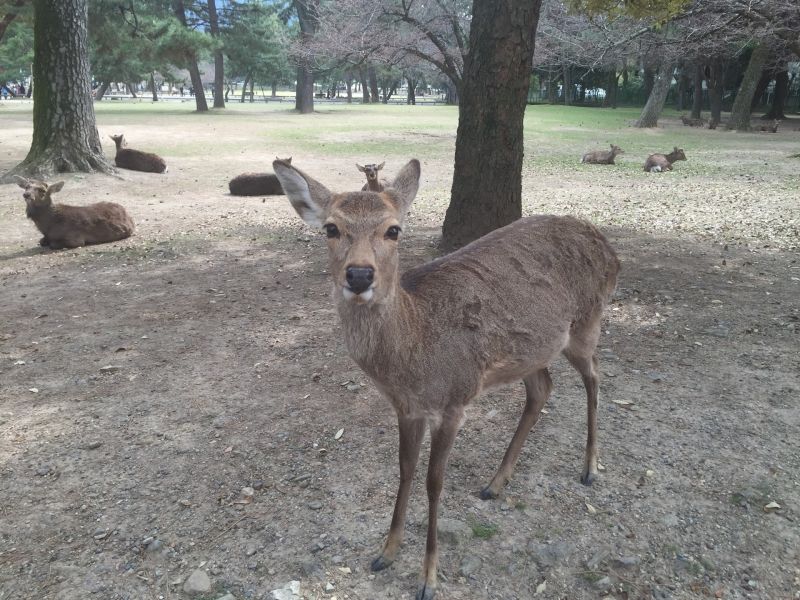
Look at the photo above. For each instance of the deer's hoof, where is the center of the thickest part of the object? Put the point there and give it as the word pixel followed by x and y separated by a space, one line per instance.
pixel 588 478
pixel 488 493
pixel 380 563
pixel 426 592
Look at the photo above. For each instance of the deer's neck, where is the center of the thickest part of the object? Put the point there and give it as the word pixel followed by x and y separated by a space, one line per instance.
pixel 374 185
pixel 380 335
pixel 672 157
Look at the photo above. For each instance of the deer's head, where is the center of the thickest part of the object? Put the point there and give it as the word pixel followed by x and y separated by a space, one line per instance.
pixel 362 228
pixel 371 171
pixel 616 149
pixel 678 153
pixel 119 140
pixel 37 194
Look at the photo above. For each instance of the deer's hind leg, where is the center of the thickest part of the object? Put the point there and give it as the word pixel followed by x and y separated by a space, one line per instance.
pixel 581 353
pixel 537 389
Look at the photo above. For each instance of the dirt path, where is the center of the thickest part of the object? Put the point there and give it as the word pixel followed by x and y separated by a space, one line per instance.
pixel 202 357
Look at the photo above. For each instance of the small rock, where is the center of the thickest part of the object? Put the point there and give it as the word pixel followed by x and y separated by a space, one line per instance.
pixel 43 470
pixel 313 570
pixel 549 555
pixel 655 376
pixel 469 566
pixel 329 587
pixel 626 562
pixel 110 369
pixel 597 559
pixel 197 583
pixel 603 584
pixel 155 546
pixel 250 549
pixel 337 559
pixel 315 505
pixel 453 531
pixel 290 591
pixel 258 484
pixel 248 492
pixel 94 445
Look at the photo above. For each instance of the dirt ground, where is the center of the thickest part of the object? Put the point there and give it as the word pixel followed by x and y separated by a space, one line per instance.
pixel 145 385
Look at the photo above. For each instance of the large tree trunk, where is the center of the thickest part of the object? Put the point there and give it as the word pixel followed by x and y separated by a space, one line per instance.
pixel 657 99
pixel 716 84
pixel 153 89
pixel 567 85
pixel 487 177
pixel 219 62
pixel 349 83
pixel 781 94
pixel 374 92
pixel 179 11
pixel 697 92
pixel 681 98
pixel 362 76
pixel 649 79
pixel 244 88
pixel 308 15
pixel 65 137
pixel 101 91
pixel 552 88
pixel 411 98
pixel 740 113
pixel 761 87
pixel 612 86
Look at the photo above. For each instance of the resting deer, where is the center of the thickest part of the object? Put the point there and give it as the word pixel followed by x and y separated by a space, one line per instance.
pixel 371 171
pixel 693 122
pixel 498 310
pixel 656 163
pixel 257 184
pixel 602 157
pixel 136 160
pixel 65 226
pixel 771 128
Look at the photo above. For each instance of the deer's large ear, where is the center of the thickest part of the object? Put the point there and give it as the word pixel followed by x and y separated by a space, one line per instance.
pixel 309 197
pixel 54 187
pixel 404 187
pixel 22 182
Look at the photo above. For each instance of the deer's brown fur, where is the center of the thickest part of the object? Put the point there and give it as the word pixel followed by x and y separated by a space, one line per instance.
pixel 255 184
pixel 657 163
pixel 371 171
pixel 136 160
pixel 602 157
pixel 692 122
pixel 65 226
pixel 498 310
pixel 773 128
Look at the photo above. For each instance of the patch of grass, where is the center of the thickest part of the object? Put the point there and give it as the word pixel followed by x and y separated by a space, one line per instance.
pixel 483 530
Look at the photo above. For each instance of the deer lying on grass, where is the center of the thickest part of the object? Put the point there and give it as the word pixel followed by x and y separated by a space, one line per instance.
pixel 371 171
pixel 498 310
pixel 136 160
pixel 692 122
pixel 602 157
pixel 771 128
pixel 656 163
pixel 65 226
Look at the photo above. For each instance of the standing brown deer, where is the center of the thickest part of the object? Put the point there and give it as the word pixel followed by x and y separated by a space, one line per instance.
pixel 371 171
pixel 498 310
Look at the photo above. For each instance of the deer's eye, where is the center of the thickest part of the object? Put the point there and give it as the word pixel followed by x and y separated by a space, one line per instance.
pixel 393 232
pixel 331 230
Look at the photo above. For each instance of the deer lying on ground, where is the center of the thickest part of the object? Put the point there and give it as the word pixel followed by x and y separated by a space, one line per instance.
pixel 257 184
pixel 692 122
pixel 771 128
pixel 602 157
pixel 371 171
pixel 65 226
pixel 656 163
pixel 431 339
pixel 136 160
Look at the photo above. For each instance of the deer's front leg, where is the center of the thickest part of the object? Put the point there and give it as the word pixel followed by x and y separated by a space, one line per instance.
pixel 411 433
pixel 442 438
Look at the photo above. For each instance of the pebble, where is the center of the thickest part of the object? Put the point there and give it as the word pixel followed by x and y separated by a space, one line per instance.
pixel 469 566
pixel 250 549
pixel 43 470
pixel 597 559
pixel 603 584
pixel 197 583
pixel 290 591
pixel 453 531
pixel 549 555
pixel 315 505
pixel 626 562
pixel 110 369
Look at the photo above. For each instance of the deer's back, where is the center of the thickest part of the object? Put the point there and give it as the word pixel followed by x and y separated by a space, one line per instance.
pixel 136 160
pixel 96 223
pixel 514 294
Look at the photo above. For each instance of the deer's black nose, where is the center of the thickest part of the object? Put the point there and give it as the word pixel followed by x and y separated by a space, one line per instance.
pixel 359 278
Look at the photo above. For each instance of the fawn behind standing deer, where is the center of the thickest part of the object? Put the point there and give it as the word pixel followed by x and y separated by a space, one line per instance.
pixel 498 310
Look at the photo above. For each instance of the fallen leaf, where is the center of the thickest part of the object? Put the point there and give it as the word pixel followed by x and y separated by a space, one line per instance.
pixel 20 362
pixel 345 570
pixel 541 588
pixel 592 510
pixel 339 434
pixel 34 390
pixel 772 506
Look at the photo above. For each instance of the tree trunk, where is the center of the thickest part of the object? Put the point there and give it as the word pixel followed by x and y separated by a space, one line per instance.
pixel 740 113
pixel 374 92
pixel 552 89
pixel 452 92
pixel 153 87
pixel 681 98
pixel 219 62
pixel 716 82
pixel 349 83
pixel 567 85
pixel 101 91
pixel 132 89
pixel 244 88
pixel 611 89
pixel 65 137
pixel 252 90
pixel 362 75
pixel 274 88
pixel 307 14
pixel 648 81
pixel 412 97
pixel 761 87
pixel 781 94
pixel 487 176
pixel 657 99
pixel 179 11
pixel 697 92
